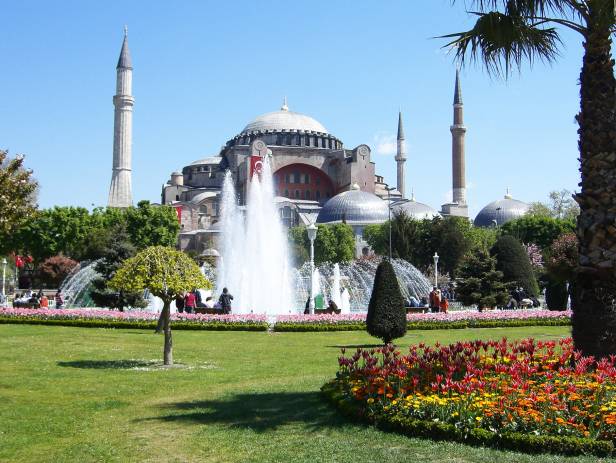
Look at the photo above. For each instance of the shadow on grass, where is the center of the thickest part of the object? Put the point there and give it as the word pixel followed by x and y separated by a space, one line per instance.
pixel 356 346
pixel 107 364
pixel 259 412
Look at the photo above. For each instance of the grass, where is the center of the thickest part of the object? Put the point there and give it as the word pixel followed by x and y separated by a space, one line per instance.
pixel 76 394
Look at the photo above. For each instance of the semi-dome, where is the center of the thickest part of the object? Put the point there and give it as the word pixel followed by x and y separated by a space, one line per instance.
pixel 284 120
pixel 415 209
pixel 500 212
pixel 354 207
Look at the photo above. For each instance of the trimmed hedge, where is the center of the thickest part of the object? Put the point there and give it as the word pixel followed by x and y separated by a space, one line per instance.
pixel 145 325
pixel 527 443
pixel 428 325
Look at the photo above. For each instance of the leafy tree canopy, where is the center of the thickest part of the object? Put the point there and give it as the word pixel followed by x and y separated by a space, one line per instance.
pixel 540 230
pixel 17 197
pixel 560 206
pixel 334 243
pixel 164 271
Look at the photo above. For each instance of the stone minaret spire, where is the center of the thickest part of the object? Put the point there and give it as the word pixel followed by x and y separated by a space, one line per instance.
pixel 401 155
pixel 458 131
pixel 120 192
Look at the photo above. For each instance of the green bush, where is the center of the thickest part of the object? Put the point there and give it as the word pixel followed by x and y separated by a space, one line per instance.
pixel 125 324
pixel 386 315
pixel 513 261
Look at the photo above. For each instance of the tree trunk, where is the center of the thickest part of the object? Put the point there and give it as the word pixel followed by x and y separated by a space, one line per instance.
pixel 168 350
pixel 161 322
pixel 594 288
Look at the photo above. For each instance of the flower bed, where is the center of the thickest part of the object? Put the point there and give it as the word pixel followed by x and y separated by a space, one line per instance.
pixel 524 395
pixel 253 322
pixel 427 321
pixel 102 318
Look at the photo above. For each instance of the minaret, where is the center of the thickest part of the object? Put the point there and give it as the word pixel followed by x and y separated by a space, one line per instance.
pixel 401 155
pixel 120 192
pixel 458 131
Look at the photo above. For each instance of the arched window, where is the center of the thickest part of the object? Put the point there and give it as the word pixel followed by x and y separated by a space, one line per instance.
pixel 177 197
pixel 306 178
pixel 318 195
pixel 297 177
pixel 296 194
pixel 307 194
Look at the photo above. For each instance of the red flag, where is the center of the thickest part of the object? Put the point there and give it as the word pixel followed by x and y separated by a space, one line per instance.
pixel 256 165
pixel 178 211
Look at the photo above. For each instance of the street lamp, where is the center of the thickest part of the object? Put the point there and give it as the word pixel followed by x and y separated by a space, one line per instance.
pixel 389 190
pixel 4 262
pixel 435 257
pixel 312 234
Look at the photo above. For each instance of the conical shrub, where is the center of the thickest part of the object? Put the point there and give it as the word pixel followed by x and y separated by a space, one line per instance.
pixel 386 314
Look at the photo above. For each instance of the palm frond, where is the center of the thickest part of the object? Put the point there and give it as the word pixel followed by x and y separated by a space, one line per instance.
pixel 504 41
pixel 529 8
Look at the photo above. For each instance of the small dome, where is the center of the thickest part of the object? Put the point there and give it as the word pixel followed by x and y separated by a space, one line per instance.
pixel 284 120
pixel 355 207
pixel 415 210
pixel 500 212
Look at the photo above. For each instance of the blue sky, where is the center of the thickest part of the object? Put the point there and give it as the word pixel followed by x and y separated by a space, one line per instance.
pixel 204 69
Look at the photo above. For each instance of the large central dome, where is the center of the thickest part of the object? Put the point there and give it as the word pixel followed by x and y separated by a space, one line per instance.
pixel 284 120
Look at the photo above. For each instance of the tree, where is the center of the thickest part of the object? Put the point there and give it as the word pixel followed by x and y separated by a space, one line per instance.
pixel 386 317
pixel 54 270
pixel 561 206
pixel 376 237
pixel 562 260
pixel 506 33
pixel 166 273
pixel 17 197
pixel 334 243
pixel 49 232
pixel 512 260
pixel 150 225
pixel 479 282
pixel 345 242
pixel 540 230
pixel 116 248
pixel 299 244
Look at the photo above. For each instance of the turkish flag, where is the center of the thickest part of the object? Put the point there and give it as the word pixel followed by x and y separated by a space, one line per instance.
pixel 256 165
pixel 178 211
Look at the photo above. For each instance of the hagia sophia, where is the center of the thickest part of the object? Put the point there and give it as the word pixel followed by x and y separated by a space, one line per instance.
pixel 317 179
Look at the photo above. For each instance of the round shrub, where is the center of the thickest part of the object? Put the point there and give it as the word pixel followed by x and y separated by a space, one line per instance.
pixel 512 259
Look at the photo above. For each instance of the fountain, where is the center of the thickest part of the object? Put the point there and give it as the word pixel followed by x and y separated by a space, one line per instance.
pixel 254 262
pixel 76 286
pixel 357 279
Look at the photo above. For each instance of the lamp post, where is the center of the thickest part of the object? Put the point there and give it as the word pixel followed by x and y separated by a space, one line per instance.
pixel 4 262
pixel 435 257
pixel 389 190
pixel 312 234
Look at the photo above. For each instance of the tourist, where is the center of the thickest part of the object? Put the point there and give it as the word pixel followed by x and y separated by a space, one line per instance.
pixel 59 299
pixel 198 299
pixel 512 304
pixel 44 302
pixel 444 305
pixel 179 302
pixel 209 302
pixel 332 307
pixel 190 302
pixel 225 300
pixel 413 302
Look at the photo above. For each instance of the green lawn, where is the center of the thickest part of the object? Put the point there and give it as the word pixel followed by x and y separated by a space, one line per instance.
pixel 77 394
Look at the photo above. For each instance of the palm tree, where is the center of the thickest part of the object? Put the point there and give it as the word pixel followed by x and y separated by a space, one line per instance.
pixel 509 32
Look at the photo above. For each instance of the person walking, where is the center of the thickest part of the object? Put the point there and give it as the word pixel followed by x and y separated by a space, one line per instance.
pixel 190 302
pixel 59 299
pixel 225 300
pixel 444 305
pixel 179 302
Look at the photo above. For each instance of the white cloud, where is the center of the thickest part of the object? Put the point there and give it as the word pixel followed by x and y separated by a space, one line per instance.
pixel 385 144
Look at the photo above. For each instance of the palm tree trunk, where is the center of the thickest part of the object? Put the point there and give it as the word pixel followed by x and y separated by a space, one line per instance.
pixel 168 349
pixel 594 288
